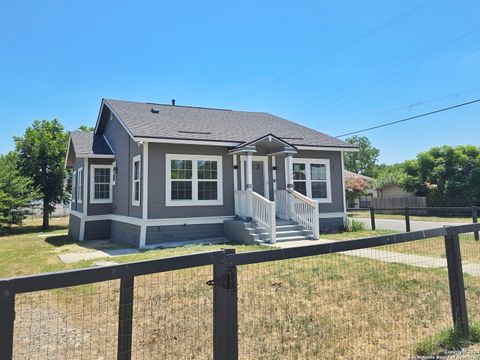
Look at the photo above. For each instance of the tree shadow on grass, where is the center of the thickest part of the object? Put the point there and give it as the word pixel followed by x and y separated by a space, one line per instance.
pixel 60 240
pixel 28 229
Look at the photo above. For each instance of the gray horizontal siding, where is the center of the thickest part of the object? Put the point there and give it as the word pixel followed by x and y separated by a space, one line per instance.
pixel 174 233
pixel 127 233
pixel 74 227
pixel 331 224
pixel 125 149
pixel 97 230
pixel 157 178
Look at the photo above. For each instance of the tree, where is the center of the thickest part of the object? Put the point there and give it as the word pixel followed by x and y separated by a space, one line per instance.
pixel 389 175
pixel 41 154
pixel 448 176
pixel 86 128
pixel 363 161
pixel 355 187
pixel 16 191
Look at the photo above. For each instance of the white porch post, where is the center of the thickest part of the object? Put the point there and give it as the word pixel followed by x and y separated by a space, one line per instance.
pixel 249 184
pixel 289 171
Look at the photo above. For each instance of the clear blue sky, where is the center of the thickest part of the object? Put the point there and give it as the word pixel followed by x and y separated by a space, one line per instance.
pixel 59 58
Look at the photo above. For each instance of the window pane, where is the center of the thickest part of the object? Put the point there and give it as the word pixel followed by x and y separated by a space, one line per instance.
pixel 300 186
pixel 102 175
pixel 318 172
pixel 181 190
pixel 181 169
pixel 137 191
pixel 319 189
pixel 102 191
pixel 136 168
pixel 207 169
pixel 207 190
pixel 299 172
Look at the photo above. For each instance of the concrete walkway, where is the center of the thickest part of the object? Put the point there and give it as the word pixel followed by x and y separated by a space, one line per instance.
pixel 69 258
pixel 399 225
pixel 389 256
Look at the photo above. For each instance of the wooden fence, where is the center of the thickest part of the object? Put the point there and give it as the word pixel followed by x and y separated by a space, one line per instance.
pixel 398 202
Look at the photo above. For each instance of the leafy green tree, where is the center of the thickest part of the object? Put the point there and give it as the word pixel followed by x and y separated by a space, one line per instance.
pixel 16 191
pixel 448 176
pixel 363 161
pixel 390 175
pixel 41 155
pixel 86 128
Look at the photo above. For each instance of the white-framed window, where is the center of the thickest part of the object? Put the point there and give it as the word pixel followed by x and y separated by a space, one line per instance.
pixel 80 185
pixel 74 187
pixel 311 177
pixel 101 180
pixel 114 175
pixel 136 171
pixel 193 180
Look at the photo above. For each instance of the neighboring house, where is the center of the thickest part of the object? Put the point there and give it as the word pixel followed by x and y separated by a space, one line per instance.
pixel 362 201
pixel 153 173
pixel 393 191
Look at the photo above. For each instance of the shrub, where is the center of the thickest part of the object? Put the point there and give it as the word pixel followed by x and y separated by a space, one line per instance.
pixel 355 225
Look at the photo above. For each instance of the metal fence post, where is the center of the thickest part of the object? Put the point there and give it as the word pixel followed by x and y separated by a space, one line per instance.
pixel 407 219
pixel 125 318
pixel 372 217
pixel 7 318
pixel 225 325
pixel 455 280
pixel 475 220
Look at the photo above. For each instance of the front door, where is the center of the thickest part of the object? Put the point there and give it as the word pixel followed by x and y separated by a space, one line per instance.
pixel 257 177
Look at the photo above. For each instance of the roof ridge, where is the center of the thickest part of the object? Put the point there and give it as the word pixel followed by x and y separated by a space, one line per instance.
pixel 189 106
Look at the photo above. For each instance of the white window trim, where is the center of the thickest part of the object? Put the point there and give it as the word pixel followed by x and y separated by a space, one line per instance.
pixel 74 187
pixel 308 162
pixel 92 184
pixel 194 201
pixel 80 185
pixel 134 160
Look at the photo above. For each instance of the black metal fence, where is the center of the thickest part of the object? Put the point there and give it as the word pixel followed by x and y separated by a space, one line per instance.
pixel 463 212
pixel 365 298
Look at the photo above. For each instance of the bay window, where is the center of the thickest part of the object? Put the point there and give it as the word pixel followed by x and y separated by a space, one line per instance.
pixel 193 180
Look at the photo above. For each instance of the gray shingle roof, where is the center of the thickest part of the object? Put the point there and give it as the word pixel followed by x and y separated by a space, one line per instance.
pixel 195 123
pixel 89 143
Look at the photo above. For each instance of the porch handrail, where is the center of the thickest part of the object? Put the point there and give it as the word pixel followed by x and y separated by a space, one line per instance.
pixel 263 213
pixel 260 209
pixel 300 208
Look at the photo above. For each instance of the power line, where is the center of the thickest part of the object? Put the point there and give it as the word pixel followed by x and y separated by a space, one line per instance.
pixel 423 53
pixel 419 103
pixel 334 50
pixel 411 118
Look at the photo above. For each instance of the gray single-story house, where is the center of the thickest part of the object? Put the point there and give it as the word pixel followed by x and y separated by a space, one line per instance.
pixel 153 173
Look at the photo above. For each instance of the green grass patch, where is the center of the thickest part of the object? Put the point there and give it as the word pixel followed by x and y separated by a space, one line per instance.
pixel 448 339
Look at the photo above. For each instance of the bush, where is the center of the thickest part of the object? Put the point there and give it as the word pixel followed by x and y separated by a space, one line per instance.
pixel 355 225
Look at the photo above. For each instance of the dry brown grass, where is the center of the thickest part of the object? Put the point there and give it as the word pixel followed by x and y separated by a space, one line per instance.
pixel 329 307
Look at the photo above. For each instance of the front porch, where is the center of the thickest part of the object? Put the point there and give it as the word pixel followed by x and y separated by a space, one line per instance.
pixel 258 201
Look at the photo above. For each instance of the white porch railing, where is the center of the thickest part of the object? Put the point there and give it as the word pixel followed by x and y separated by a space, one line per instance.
pixel 300 208
pixel 260 209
